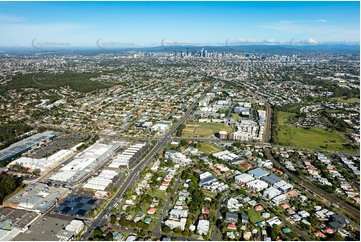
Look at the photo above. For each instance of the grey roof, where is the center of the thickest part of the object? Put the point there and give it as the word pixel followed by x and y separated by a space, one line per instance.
pixel 335 225
pixel 25 144
pixel 258 172
pixel 231 215
pixel 207 180
pixel 338 218
pixel 271 179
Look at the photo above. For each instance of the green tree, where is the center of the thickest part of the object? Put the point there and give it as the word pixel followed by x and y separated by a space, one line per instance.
pixel 113 219
pixel 166 229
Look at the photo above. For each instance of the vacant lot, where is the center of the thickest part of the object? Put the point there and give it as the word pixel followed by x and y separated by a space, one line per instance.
pixel 204 130
pixel 352 100
pixel 236 116
pixel 208 148
pixel 254 216
pixel 312 138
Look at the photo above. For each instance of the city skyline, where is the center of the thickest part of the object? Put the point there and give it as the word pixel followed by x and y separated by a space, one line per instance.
pixel 137 24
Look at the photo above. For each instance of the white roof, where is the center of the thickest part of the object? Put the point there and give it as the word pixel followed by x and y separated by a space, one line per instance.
pixel 244 177
pixel 75 226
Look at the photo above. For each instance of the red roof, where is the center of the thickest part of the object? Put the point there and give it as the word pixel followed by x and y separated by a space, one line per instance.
pixel 197 170
pixel 151 210
pixel 232 226
pixel 284 205
pixel 258 208
pixel 206 210
pixel 320 234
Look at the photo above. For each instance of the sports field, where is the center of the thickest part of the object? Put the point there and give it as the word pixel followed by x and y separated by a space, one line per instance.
pixel 208 148
pixel 204 130
pixel 312 138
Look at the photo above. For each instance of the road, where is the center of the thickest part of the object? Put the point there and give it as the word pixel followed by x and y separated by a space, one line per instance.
pixel 218 215
pixel 134 173
pixel 354 213
pixel 157 230
pixel 267 128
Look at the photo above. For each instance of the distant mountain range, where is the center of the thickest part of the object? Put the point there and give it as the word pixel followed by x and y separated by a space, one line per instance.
pixel 264 49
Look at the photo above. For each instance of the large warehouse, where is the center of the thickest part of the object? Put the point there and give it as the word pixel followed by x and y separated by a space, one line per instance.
pixel 102 181
pixel 37 197
pixel 26 144
pixel 83 163
pixel 127 156
pixel 44 163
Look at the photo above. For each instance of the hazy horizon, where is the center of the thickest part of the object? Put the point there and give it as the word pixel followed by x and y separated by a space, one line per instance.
pixel 149 24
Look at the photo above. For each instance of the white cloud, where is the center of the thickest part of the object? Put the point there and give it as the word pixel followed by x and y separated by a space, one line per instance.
pixel 311 41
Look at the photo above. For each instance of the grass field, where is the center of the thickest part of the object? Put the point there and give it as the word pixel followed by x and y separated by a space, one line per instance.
pixel 254 216
pixel 351 100
pixel 312 138
pixel 204 130
pixel 209 194
pixel 236 116
pixel 208 148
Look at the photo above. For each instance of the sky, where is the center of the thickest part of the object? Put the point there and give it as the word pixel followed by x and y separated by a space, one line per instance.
pixel 161 23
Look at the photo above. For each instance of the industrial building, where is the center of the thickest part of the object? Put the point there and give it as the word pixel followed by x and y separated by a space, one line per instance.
pixel 44 163
pixel 15 221
pixel 102 181
pixel 128 156
pixel 37 197
pixel 84 163
pixel 257 185
pixel 26 144
pixel 243 179
pixel 258 173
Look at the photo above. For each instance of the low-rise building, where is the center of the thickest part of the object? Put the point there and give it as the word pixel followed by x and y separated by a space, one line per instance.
pixel 203 226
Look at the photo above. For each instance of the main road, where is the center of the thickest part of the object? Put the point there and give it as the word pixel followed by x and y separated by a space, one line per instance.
pixel 133 176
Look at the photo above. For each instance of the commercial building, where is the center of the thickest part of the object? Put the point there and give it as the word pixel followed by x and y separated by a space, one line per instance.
pixel 283 186
pixel 102 181
pixel 84 163
pixel 37 197
pixel 271 179
pixel 258 173
pixel 48 229
pixel 44 163
pixel 271 192
pixel 257 185
pixel 26 144
pixel 244 178
pixel 279 199
pixel 128 156
pixel 15 221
